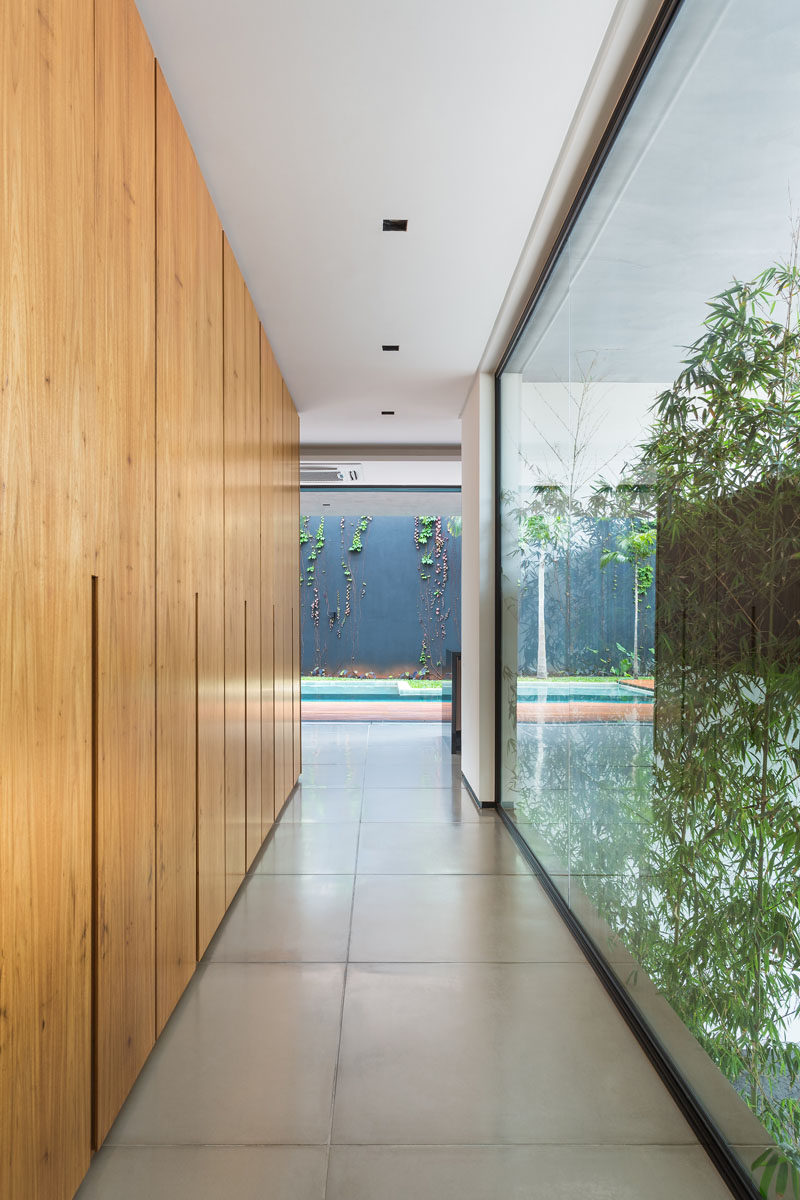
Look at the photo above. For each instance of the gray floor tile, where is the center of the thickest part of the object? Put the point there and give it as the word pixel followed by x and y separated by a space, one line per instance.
pixel 523 1173
pixel 409 774
pixel 457 918
pixel 436 849
pixel 308 849
pixel 247 1059
pixel 323 754
pixel 335 774
pixel 324 804
pixel 206 1173
pixel 479 1058
pixel 336 733
pixel 466 1053
pixel 420 804
pixel 287 918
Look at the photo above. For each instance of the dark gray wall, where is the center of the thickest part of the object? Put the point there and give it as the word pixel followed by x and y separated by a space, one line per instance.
pixel 392 623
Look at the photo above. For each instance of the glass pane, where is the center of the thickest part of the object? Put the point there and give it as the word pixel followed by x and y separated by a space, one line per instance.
pixel 650 517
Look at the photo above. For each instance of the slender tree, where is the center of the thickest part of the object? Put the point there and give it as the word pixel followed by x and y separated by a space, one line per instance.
pixel 637 549
pixel 540 535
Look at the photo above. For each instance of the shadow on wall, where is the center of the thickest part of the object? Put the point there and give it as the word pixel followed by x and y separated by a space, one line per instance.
pixel 381 596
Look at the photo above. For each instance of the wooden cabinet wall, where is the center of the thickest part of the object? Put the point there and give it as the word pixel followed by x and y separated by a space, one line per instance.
pixel 270 389
pixel 46 568
pixel 148 576
pixel 242 574
pixel 124 503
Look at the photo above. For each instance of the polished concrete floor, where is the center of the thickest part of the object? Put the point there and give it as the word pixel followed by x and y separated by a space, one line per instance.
pixel 392 1008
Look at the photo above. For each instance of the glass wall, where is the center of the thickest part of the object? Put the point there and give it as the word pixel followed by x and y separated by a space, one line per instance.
pixel 650 578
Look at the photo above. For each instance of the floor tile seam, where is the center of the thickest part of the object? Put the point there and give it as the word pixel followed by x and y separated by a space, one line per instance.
pixel 468 962
pixel 439 822
pixel 434 875
pixel 304 874
pixel 344 992
pixel 278 962
pixel 286 962
pixel 214 1145
pixel 621 1145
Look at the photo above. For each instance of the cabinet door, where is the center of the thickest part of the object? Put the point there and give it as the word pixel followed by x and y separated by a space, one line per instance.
pixel 46 568
pixel 124 482
pixel 190 790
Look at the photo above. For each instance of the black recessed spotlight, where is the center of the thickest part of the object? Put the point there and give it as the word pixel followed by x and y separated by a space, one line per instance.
pixel 385 347
pixel 387 412
pixel 395 225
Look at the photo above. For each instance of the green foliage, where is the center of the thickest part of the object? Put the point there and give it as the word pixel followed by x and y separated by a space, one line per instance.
pixel 636 548
pixel 725 840
pixel 693 856
pixel 423 530
pixel 454 526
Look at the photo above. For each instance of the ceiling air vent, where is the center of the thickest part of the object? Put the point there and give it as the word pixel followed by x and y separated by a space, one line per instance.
pixel 389 347
pixel 330 473
pixel 395 225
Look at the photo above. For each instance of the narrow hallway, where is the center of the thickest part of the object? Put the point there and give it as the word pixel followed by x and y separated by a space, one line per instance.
pixel 392 1008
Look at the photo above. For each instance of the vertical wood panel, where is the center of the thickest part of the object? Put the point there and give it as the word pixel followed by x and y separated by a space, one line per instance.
pixel 252 570
pixel 287 590
pixel 280 588
pixel 125 352
pixel 235 385
pixel 176 232
pixel 47 394
pixel 208 500
pixel 278 575
pixel 268 374
pixel 295 585
pixel 242 575
pixel 190 729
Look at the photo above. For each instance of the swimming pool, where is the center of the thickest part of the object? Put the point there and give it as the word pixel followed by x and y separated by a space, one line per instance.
pixel 528 692
pixel 379 690
pixel 576 692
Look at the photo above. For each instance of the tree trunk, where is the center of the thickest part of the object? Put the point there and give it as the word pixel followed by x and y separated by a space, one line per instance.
pixel 568 602
pixel 635 620
pixel 541 662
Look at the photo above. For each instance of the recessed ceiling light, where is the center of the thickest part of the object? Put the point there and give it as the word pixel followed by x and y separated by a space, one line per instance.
pixel 384 347
pixel 387 412
pixel 395 225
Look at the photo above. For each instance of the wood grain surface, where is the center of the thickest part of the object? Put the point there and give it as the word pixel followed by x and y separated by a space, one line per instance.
pixel 270 386
pixel 46 441
pixel 124 933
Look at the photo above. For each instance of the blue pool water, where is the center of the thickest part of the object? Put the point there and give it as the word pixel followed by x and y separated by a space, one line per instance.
pixel 552 692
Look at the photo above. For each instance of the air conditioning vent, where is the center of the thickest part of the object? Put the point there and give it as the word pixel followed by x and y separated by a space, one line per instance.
pixel 330 473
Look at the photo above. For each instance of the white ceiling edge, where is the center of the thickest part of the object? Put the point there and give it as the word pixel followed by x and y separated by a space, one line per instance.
pixel 627 33
pixel 338 428
pixel 369 502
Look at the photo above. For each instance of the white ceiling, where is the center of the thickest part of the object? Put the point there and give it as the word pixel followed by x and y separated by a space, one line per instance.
pixel 314 120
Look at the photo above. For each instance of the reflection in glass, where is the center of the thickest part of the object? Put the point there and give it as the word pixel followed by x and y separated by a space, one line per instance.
pixel 650 568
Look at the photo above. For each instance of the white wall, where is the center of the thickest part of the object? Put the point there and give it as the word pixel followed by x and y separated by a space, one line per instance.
pixel 477 588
